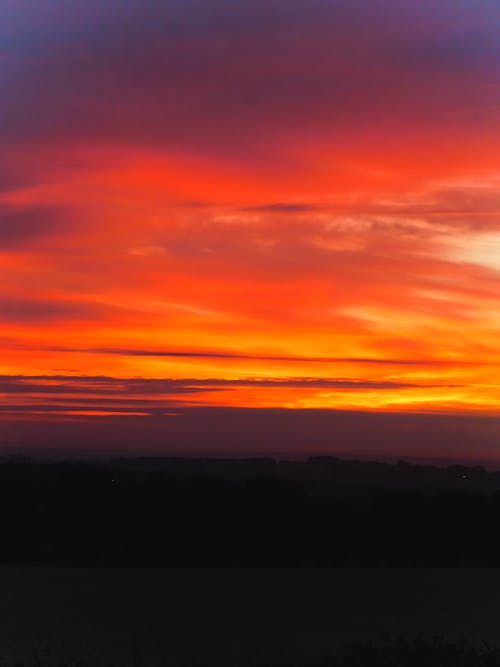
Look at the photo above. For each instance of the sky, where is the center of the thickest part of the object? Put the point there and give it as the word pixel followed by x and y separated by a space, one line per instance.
pixel 249 207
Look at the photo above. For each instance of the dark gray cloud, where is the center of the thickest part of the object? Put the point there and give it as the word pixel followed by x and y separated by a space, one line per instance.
pixel 282 208
pixel 19 228
pixel 31 310
pixel 101 386
pixel 76 407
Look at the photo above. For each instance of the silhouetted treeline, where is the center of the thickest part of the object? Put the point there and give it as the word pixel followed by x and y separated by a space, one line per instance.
pixel 326 474
pixel 189 513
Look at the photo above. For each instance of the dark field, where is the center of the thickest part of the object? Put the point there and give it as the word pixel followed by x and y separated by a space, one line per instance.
pixel 178 562
pixel 234 616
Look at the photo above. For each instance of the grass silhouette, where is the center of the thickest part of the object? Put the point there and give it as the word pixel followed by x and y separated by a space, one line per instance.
pixel 420 652
pixel 435 652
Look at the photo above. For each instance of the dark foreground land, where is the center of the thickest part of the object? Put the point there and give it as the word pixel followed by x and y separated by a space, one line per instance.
pixel 243 617
pixel 204 563
pixel 176 512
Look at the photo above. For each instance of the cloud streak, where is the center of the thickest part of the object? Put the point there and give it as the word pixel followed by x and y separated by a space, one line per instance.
pixel 101 384
pixel 95 396
pixel 232 355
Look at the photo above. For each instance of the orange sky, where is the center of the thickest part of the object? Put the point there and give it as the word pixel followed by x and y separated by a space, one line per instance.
pixel 263 204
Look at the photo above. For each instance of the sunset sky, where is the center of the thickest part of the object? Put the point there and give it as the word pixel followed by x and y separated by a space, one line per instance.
pixel 248 204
